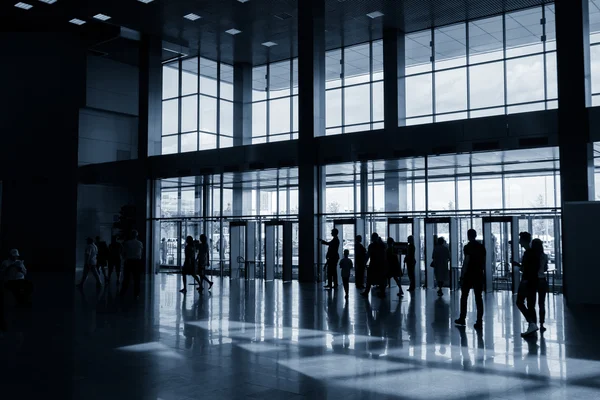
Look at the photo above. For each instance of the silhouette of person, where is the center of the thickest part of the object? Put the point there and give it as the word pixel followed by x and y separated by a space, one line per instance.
pixel 530 266
pixel 333 257
pixel 91 259
pixel 115 254
pixel 360 262
pixel 376 269
pixel 472 278
pixel 133 267
pixel 203 260
pixel 542 284
pixel 346 266
pixel 441 257
pixel 411 261
pixel 393 263
pixel 189 265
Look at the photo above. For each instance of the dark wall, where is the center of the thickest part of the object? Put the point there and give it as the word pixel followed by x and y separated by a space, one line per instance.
pixel 43 87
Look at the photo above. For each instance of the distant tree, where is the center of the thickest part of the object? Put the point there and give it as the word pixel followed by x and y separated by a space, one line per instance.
pixel 333 207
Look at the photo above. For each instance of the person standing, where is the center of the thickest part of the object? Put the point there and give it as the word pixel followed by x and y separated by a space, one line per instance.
pixel 12 278
pixel 333 257
pixel 163 251
pixel 411 261
pixel 102 256
pixel 203 261
pixel 90 262
pixel 376 269
pixel 115 254
pixel 472 278
pixel 528 287
pixel 441 257
pixel 133 250
pixel 346 266
pixel 393 263
pixel 542 283
pixel 360 257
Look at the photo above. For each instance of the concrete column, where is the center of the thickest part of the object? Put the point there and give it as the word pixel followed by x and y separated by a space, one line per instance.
pixel 242 104
pixel 574 95
pixel 395 194
pixel 150 97
pixel 241 198
pixel 393 79
pixel 311 120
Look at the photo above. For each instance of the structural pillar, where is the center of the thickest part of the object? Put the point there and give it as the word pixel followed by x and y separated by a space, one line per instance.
pixel 311 120
pixel 242 104
pixel 394 90
pixel 574 95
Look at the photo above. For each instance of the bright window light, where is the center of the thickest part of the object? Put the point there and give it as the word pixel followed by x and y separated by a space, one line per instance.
pixel 269 44
pixel 233 31
pixel 145 1
pixel 375 14
pixel 48 1
pixel 192 17
pixel 77 21
pixel 102 17
pixel 24 6
pixel 243 1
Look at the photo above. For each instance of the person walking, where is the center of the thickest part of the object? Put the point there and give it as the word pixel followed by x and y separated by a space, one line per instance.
pixel 333 257
pixel 115 255
pixel 346 266
pixel 393 264
pixel 527 291
pixel 441 257
pixel 472 278
pixel 132 250
pixel 90 262
pixel 203 261
pixel 102 257
pixel 189 265
pixel 411 261
pixel 542 282
pixel 376 269
pixel 360 258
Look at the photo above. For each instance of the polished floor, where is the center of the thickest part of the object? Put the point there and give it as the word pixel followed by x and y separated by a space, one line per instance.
pixel 289 341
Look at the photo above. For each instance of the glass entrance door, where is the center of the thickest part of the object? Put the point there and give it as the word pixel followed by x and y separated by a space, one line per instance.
pixel 500 238
pixel 400 229
pixel 434 229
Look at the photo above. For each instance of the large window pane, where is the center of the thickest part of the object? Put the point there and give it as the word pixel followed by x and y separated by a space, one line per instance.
pixel 226 82
pixel 279 116
pixel 357 105
pixel 551 77
pixel 279 79
pixel 486 86
pixel 226 118
pixel 377 55
pixel 295 113
pixel 487 193
pixel 525 79
pixel 334 108
pixel 450 46
pixel 189 114
pixel 378 101
pixel 208 77
pixel 595 68
pixel 550 28
pixel 441 195
pixel 208 141
pixel 418 52
pixel 170 80
pixel 170 144
pixel 356 64
pixel 189 76
pixel 208 114
pixel 524 32
pixel 333 68
pixel 189 142
pixel 259 119
pixel 419 95
pixel 451 90
pixel 594 10
pixel 226 141
pixel 486 40
pixel 529 191
pixel 259 83
pixel 295 76
pixel 170 117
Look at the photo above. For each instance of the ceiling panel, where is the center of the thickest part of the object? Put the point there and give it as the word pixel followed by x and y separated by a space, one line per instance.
pixel 258 20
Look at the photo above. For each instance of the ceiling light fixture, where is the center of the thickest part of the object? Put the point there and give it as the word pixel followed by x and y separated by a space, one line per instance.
pixel 269 44
pixel 48 1
pixel 375 14
pixel 102 17
pixel 23 6
pixel 145 1
pixel 233 31
pixel 192 17
pixel 243 1
pixel 77 21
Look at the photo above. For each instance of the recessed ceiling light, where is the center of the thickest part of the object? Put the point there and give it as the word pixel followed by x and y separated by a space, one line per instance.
pixel 269 44
pixel 48 1
pixel 145 1
pixel 102 17
pixel 77 21
pixel 24 6
pixel 375 14
pixel 192 16
pixel 243 1
pixel 233 31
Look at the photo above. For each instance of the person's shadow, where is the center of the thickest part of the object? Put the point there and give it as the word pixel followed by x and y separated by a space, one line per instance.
pixel 441 324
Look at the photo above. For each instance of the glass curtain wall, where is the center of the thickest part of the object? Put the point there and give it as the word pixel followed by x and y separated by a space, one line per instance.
pixel 275 102
pixel 594 12
pixel 499 65
pixel 354 88
pixel 197 107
